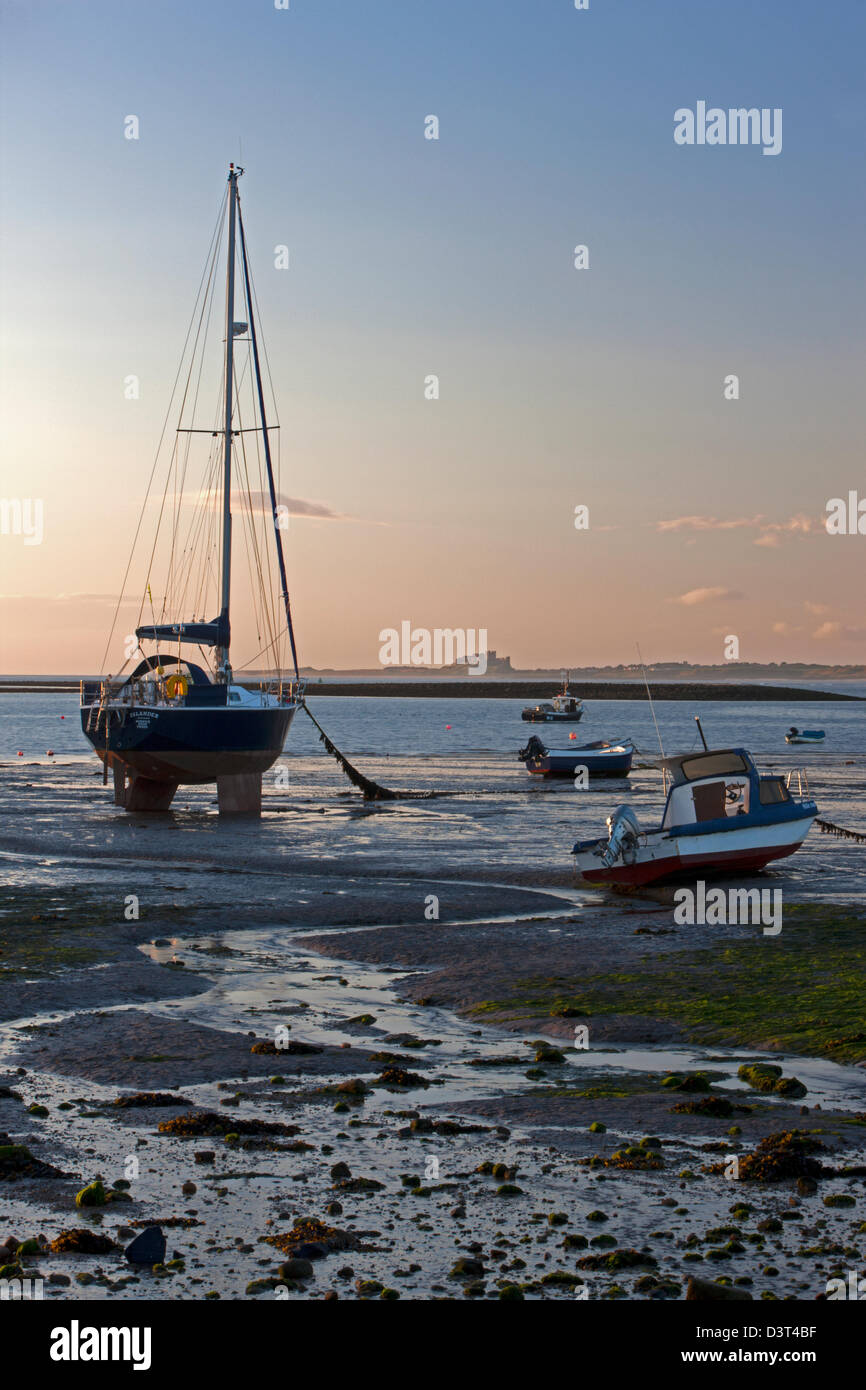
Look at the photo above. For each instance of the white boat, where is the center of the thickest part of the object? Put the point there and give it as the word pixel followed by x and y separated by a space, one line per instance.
pixel 564 708
pixel 721 816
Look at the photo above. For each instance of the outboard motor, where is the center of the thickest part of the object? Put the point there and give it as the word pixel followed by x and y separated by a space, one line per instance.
pixel 534 749
pixel 623 831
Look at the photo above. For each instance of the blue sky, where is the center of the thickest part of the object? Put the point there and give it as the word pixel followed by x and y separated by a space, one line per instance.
pixel 455 257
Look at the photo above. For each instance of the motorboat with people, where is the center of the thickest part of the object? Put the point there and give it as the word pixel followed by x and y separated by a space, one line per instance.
pixel 805 735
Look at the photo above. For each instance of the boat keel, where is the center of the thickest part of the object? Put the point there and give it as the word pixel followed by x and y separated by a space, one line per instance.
pixel 240 794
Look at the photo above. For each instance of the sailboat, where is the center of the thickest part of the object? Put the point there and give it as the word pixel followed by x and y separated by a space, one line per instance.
pixel 172 720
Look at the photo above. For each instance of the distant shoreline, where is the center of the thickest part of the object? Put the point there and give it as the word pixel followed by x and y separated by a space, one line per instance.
pixel 529 691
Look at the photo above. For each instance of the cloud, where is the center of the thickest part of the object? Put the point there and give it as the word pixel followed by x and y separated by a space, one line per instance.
pixel 706 523
pixel 840 631
pixel 816 609
pixel 694 596
pixel 769 532
pixel 785 629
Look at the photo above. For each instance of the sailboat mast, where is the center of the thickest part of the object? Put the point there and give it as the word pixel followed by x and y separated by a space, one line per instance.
pixel 223 653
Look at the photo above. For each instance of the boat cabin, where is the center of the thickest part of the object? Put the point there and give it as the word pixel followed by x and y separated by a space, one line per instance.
pixel 565 703
pixel 718 784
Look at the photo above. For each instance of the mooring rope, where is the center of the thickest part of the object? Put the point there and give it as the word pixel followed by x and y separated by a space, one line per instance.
pixel 827 827
pixel 372 791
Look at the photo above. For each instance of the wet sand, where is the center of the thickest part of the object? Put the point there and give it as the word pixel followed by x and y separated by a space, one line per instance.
pixel 501 1159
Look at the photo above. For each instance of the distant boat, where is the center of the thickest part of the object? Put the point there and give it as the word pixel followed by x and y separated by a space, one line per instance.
pixel 564 708
pixel 601 759
pixel 805 735
pixel 721 816
pixel 169 720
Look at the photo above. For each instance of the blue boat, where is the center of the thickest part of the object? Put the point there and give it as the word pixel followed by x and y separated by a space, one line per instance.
pixel 805 735
pixel 600 759
pixel 170 721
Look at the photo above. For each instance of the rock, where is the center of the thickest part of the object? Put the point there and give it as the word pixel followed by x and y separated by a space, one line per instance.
pixel 204 1155
pixel 189 1189
pixel 595 1128
pixel 761 1076
pixel 467 1268
pixel 79 1241
pixel 145 1099
pixel 359 1185
pixel 770 1225
pixel 257 1286
pixel 708 1105
pixel 93 1195
pixel 368 1287
pixel 790 1087
pixel 63 1279
pixel 296 1268
pixel 703 1291
pixel 806 1186
pixel 355 1087
pixel 399 1076
pixel 147 1248
pixel 340 1170
pixel 16 1161
pixel 334 1208
pixel 310 1250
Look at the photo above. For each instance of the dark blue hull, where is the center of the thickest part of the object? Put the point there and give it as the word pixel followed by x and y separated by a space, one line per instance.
pixel 189 743
pixel 565 763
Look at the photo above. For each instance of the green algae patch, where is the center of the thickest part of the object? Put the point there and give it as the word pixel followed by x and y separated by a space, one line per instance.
pixel 801 991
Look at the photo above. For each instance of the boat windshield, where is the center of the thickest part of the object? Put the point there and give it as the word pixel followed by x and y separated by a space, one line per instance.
pixel 712 765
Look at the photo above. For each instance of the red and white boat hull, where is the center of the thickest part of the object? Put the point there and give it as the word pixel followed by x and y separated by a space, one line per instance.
pixel 659 855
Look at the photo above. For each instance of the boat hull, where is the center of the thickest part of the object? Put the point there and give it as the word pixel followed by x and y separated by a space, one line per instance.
pixel 685 856
pixel 550 717
pixel 188 744
pixel 566 764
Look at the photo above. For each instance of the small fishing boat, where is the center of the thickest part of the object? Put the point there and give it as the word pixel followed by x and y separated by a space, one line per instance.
pixel 169 720
pixel 805 735
pixel 564 708
pixel 721 816
pixel 601 759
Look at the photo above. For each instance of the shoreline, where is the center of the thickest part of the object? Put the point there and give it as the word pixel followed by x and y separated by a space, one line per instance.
pixel 529 690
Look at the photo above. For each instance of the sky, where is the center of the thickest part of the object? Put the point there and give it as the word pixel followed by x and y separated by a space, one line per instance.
pixel 602 387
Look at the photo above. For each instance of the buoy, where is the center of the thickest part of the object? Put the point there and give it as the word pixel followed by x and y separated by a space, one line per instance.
pixel 20 754
pixel 49 752
pixel 447 726
pixel 63 716
pixel 572 735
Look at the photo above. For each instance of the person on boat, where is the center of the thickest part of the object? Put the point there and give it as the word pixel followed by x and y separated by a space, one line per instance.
pixel 793 731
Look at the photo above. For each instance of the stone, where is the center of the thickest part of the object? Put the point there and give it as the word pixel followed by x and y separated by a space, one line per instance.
pixel 148 1248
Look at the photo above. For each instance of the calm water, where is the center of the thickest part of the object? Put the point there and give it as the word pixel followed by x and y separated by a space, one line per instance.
pixel 489 815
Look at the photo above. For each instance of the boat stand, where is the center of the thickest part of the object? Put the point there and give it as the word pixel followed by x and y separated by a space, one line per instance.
pixel 136 793
pixel 240 794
